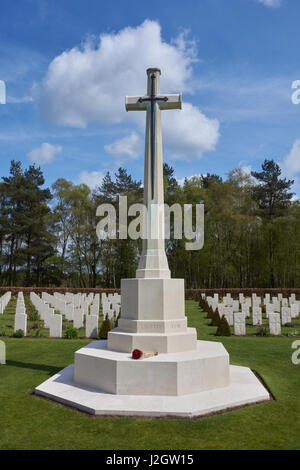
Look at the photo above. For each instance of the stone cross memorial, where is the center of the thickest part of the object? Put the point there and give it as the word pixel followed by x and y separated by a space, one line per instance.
pixel 153 315
pixel 153 261
pixel 182 376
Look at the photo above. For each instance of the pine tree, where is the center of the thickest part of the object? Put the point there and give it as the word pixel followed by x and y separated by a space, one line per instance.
pixel 273 198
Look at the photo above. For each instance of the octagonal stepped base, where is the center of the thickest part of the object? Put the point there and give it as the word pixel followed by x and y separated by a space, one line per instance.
pixel 206 368
pixel 244 389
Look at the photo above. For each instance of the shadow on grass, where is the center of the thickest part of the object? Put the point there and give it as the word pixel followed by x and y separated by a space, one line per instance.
pixel 26 365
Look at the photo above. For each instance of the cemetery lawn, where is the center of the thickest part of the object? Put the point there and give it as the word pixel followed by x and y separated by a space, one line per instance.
pixel 29 422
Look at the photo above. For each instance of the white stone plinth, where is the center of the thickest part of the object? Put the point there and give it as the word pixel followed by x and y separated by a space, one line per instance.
pixel 152 299
pixel 162 343
pixel 113 372
pixel 153 318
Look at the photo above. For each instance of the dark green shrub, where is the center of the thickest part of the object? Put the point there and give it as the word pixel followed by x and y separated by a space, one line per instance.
pixel 105 328
pixel 210 312
pixel 223 328
pixel 71 333
pixel 18 334
pixel 215 318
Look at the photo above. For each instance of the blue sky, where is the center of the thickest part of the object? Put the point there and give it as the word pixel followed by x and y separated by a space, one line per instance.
pixel 68 65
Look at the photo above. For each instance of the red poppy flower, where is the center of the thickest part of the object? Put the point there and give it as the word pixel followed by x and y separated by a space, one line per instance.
pixel 136 354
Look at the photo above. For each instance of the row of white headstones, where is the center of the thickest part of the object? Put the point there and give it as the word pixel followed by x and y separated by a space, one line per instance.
pixel 75 308
pixel 279 310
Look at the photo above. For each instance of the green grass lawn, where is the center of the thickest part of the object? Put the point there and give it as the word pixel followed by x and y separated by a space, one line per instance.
pixel 28 422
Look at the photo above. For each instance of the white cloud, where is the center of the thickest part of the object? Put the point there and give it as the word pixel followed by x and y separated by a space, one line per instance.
pixel 129 146
pixel 291 163
pixel 271 3
pixel 189 132
pixel 91 179
pixel 89 84
pixel 44 154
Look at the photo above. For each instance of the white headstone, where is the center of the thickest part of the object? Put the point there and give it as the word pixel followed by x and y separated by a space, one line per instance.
pixel 228 312
pixel 246 310
pixel 55 324
pixel 286 315
pixel 294 310
pixel 239 324
pixel 257 316
pixel 21 322
pixel 78 318
pixel 91 326
pixel 95 309
pixel 69 311
pixel 274 323
pixel 276 306
pixel 2 353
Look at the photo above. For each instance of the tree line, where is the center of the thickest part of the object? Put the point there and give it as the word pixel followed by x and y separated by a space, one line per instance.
pixel 48 235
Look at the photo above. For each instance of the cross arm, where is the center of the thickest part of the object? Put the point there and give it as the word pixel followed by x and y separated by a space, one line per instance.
pixel 132 103
pixel 173 101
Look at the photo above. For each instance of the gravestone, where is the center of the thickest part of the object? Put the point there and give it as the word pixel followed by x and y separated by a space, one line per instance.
pixel 274 324
pixel 276 306
pixel 21 322
pixel 256 316
pixel 292 299
pixel 95 309
pixel 239 324
pixel 69 311
pixel 55 325
pixel 91 326
pixel 286 315
pixel 246 310
pixel 294 310
pixel 228 312
pixel 2 353
pixel 78 318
